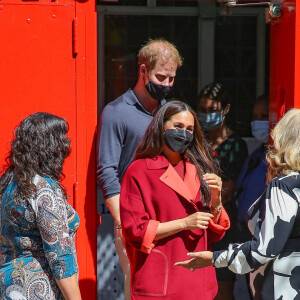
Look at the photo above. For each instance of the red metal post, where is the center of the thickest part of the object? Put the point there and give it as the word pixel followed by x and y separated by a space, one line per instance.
pixel 86 91
pixel 297 56
pixel 284 54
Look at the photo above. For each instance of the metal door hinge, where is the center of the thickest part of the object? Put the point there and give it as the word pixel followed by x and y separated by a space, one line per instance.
pixel 75 30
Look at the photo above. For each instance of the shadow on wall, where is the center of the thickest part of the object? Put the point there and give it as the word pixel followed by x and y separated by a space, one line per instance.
pixel 88 286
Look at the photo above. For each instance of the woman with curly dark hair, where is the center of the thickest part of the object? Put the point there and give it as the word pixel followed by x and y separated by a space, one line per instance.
pixel 37 225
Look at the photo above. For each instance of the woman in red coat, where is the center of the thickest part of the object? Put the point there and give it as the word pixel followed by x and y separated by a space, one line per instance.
pixel 171 204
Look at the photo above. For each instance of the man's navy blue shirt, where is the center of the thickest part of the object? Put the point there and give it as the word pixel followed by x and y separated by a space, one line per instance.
pixel 122 125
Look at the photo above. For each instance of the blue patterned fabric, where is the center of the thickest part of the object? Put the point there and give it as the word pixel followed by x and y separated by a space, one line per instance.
pixel 36 242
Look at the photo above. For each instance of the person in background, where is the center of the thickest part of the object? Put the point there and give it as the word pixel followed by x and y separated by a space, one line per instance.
pixel 38 257
pixel 230 151
pixel 171 203
pixel 123 123
pixel 272 256
pixel 253 174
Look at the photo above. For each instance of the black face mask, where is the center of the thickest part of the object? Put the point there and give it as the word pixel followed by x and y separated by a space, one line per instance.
pixel 178 140
pixel 157 91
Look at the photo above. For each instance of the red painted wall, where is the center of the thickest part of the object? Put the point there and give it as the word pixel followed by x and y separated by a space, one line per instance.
pixel 284 62
pixel 40 72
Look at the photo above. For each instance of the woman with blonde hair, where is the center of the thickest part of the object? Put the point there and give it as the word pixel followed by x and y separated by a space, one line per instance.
pixel 273 254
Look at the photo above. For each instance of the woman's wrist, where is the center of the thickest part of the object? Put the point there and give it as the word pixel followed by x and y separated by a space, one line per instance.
pixel 183 224
pixel 216 209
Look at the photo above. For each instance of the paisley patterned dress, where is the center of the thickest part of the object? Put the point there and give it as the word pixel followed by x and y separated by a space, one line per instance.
pixel 36 242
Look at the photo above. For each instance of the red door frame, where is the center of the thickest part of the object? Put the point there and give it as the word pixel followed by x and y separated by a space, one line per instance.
pixel 85 191
pixel 285 62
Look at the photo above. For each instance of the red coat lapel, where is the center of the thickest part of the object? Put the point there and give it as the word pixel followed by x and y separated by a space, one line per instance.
pixel 191 179
pixel 187 188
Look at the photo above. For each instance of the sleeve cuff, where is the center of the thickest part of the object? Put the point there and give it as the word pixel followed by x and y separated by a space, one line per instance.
pixel 63 267
pixel 222 225
pixel 220 259
pixel 148 244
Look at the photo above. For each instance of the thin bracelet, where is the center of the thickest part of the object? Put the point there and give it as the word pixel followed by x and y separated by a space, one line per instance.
pixel 217 209
pixel 119 226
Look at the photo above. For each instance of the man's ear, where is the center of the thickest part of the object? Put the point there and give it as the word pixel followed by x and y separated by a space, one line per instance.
pixel 226 109
pixel 143 70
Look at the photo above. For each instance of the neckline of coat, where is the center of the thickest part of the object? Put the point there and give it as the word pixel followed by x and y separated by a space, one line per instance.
pixel 188 188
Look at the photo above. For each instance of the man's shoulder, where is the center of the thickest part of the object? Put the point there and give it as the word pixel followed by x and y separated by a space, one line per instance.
pixel 117 108
pixel 121 102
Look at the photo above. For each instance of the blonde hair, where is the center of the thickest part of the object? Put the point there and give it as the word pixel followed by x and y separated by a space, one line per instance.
pixel 283 156
pixel 157 49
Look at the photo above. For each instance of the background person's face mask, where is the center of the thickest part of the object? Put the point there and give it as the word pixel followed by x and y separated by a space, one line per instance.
pixel 157 91
pixel 260 130
pixel 210 121
pixel 178 140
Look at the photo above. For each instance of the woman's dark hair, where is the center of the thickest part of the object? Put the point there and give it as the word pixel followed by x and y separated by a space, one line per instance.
pixel 40 146
pixel 198 151
pixel 215 91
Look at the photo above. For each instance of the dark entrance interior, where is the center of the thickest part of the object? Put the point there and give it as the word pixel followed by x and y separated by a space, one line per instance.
pixel 228 46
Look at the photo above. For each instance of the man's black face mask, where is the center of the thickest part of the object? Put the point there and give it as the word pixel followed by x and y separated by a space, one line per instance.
pixel 157 91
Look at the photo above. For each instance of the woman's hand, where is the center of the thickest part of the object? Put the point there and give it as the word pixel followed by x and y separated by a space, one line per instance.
pixel 215 185
pixel 199 260
pixel 198 220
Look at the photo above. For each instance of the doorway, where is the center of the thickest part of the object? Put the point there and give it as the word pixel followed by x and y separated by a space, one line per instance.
pixel 217 45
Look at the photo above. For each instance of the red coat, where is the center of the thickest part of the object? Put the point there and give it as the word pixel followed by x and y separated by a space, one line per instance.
pixel 153 192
